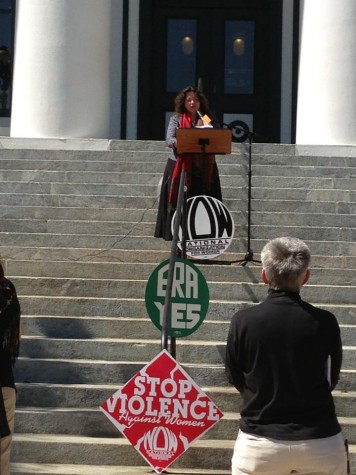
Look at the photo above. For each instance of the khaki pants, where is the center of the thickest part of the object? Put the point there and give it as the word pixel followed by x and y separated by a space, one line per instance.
pixel 9 395
pixel 254 455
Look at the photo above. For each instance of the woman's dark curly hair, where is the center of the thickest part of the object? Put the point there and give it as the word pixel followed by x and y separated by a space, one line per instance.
pixel 180 99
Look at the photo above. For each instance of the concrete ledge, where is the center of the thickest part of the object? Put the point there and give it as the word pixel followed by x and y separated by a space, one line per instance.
pixel 57 143
pixel 54 143
pixel 326 150
pixel 62 469
pixel 113 451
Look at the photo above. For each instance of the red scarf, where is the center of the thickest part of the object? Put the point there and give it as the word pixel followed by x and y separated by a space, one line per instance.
pixel 186 162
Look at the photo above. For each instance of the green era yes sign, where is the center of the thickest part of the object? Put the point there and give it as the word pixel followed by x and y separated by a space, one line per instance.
pixel 189 297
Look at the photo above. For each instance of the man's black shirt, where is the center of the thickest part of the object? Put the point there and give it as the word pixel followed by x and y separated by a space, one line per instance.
pixel 276 356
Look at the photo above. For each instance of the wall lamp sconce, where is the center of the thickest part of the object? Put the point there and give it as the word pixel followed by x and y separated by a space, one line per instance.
pixel 239 46
pixel 187 45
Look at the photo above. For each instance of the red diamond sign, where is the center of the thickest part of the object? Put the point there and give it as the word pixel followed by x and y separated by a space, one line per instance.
pixel 161 411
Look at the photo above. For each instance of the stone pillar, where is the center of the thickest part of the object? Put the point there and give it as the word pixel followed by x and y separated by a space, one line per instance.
pixel 326 110
pixel 61 82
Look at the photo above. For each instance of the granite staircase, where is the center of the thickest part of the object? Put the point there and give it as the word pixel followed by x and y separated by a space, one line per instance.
pixel 76 226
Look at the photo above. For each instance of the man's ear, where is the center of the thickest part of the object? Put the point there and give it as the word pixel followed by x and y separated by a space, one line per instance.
pixel 264 277
pixel 306 278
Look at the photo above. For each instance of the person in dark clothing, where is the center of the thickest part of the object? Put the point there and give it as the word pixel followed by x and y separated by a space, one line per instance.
pixel 9 350
pixel 191 107
pixel 284 356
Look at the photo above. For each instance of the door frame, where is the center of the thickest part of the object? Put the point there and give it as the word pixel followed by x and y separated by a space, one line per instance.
pixel 272 11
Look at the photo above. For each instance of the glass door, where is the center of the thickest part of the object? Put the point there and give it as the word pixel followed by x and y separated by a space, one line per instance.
pixel 231 53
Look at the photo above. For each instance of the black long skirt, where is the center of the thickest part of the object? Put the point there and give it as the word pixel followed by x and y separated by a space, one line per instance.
pixel 164 216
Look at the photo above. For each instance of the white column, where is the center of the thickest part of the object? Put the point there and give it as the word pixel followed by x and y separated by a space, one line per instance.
pixel 326 111
pixel 61 82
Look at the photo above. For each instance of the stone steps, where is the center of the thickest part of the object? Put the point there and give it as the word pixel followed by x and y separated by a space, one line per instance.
pixel 73 310
pixel 235 198
pixel 119 171
pixel 132 241
pixel 118 451
pixel 10 215
pixel 125 169
pixel 71 371
pixel 76 225
pixel 134 322
pixel 55 149
pixel 190 350
pixel 89 422
pixel 87 416
pixel 79 255
pixel 337 202
pixel 55 229
pixel 94 182
pixel 85 396
pixel 120 288
pixel 99 145
pixel 115 228
pixel 128 270
pixel 74 469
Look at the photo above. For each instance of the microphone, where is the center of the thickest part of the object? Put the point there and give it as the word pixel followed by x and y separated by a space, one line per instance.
pixel 206 119
pixel 199 115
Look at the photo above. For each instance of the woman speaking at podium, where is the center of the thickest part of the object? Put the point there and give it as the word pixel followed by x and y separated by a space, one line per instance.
pixel 191 110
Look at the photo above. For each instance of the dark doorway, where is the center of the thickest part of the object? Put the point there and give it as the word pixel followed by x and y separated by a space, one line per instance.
pixel 232 49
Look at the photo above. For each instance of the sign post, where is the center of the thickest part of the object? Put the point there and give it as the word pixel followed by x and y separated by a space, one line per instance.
pixel 166 309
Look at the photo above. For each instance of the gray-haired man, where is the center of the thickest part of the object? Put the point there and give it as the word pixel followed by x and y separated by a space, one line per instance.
pixel 284 355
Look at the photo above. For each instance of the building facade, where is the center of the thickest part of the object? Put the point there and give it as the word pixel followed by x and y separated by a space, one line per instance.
pixel 283 69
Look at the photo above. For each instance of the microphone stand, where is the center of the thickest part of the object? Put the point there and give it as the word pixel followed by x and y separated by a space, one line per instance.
pixel 249 254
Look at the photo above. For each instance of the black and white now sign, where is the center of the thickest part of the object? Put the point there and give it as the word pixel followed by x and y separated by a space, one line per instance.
pixel 210 227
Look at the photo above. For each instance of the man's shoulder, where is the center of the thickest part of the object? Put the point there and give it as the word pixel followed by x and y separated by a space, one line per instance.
pixel 249 311
pixel 316 309
pixel 318 312
pixel 266 306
